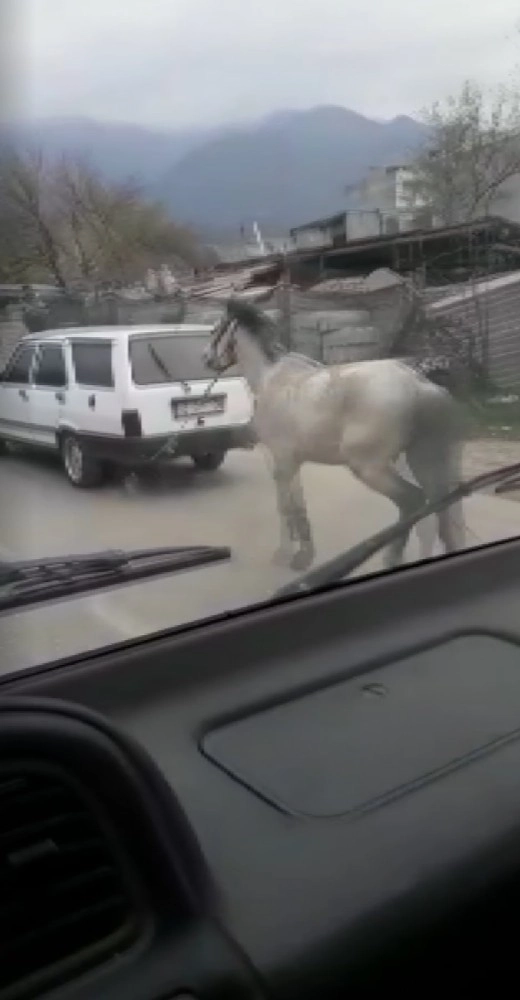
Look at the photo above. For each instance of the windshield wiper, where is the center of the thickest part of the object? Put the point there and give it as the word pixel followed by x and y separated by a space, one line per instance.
pixel 34 581
pixel 163 367
pixel 341 566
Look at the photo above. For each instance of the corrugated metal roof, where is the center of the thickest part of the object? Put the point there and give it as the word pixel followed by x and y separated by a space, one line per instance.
pixel 337 286
pixel 332 220
pixel 377 280
pixel 423 235
pixel 475 289
pixel 223 286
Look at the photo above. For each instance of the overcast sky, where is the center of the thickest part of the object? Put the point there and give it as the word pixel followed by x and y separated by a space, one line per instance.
pixel 184 62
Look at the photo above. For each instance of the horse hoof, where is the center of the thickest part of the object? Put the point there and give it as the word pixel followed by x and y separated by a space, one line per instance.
pixel 302 560
pixel 282 558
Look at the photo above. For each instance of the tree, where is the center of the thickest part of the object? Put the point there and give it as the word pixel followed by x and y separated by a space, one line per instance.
pixel 61 221
pixel 113 231
pixel 30 247
pixel 472 149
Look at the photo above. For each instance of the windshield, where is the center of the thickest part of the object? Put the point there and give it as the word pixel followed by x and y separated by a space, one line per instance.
pixel 161 358
pixel 329 213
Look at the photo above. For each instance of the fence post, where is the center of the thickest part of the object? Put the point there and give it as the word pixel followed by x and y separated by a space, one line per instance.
pixel 321 343
pixel 285 290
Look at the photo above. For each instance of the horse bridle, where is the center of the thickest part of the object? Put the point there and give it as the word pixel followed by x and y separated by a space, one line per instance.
pixel 224 325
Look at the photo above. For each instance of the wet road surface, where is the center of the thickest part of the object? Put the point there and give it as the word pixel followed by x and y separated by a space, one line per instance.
pixel 41 514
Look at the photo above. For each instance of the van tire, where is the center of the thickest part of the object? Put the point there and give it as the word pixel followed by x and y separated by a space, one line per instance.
pixel 81 469
pixel 210 461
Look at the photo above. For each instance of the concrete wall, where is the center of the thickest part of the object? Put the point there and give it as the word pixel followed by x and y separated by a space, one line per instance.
pixel 382 297
pixel 389 190
pixel 308 239
pixel 340 321
pixel 392 191
pixel 363 224
pixel 11 331
pixel 336 338
pixel 378 190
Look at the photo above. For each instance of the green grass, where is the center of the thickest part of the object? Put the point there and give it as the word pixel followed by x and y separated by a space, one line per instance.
pixel 494 419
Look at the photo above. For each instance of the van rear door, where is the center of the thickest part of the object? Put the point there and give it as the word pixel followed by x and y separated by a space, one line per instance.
pixel 175 392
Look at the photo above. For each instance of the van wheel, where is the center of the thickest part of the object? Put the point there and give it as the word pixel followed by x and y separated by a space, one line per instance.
pixel 81 470
pixel 209 461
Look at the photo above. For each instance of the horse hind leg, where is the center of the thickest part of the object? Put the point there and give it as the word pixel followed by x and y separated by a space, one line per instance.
pixel 426 529
pixel 384 479
pixel 452 529
pixel 436 469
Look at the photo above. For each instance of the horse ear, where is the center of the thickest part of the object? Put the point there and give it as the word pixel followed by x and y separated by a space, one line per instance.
pixel 236 307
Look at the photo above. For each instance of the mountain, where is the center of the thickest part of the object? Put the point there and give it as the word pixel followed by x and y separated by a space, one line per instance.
pixel 290 168
pixel 118 150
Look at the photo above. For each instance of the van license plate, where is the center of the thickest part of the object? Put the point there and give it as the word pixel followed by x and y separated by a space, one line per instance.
pixel 198 407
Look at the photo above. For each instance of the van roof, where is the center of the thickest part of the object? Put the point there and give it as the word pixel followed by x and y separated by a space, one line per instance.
pixel 121 332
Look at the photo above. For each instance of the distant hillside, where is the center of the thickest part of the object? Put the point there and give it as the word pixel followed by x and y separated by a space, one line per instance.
pixel 290 168
pixel 119 150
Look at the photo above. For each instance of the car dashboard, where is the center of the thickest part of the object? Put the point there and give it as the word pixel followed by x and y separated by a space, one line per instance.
pixel 307 799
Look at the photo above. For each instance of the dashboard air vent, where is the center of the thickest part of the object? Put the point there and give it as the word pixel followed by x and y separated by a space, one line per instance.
pixel 67 901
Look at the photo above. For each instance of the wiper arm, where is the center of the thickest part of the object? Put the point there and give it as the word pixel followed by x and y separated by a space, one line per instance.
pixel 34 581
pixel 163 367
pixel 342 565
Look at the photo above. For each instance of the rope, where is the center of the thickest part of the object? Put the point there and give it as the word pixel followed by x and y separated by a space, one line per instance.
pixel 213 382
pixel 168 446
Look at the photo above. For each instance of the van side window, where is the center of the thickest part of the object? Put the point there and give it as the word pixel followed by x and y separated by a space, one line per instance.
pixel 93 364
pixel 19 366
pixel 50 367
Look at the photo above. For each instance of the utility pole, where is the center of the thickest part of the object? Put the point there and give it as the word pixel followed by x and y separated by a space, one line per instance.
pixel 259 239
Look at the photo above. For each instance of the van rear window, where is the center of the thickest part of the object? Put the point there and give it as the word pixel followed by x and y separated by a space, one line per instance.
pixel 159 359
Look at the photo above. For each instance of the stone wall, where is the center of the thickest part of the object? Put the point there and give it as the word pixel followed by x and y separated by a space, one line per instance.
pixel 12 329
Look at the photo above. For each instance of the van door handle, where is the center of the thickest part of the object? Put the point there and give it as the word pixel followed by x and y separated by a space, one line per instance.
pixel 23 394
pixel 92 402
pixel 60 396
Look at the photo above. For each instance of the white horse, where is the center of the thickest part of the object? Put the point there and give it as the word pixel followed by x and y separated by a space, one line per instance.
pixel 363 416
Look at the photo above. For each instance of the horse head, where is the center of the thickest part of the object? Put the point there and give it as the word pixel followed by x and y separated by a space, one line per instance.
pixel 243 313
pixel 220 354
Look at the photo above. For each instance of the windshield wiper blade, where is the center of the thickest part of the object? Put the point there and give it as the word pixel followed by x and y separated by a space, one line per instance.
pixel 163 367
pixel 33 581
pixel 341 566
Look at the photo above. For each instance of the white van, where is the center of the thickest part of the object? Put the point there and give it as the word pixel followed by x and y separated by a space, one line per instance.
pixel 105 396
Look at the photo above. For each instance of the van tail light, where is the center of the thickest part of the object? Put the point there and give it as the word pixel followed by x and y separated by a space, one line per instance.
pixel 131 421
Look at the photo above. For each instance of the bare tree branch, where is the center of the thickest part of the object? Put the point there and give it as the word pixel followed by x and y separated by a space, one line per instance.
pixel 62 221
pixel 473 148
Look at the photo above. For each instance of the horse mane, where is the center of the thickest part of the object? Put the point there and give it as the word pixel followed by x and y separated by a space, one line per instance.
pixel 303 359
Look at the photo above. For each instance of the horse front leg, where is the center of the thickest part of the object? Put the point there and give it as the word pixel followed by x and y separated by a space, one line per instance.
pixel 296 547
pixel 304 555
